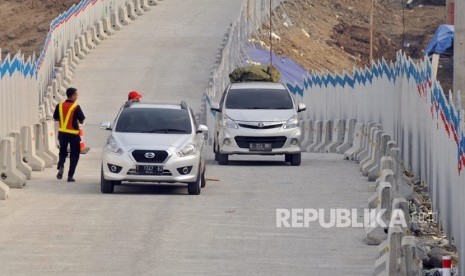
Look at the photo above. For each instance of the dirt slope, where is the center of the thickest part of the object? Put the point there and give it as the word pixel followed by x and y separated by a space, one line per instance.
pixel 335 34
pixel 25 23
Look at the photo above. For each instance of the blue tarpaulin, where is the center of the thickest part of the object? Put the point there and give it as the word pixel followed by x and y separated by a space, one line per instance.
pixel 290 70
pixel 442 41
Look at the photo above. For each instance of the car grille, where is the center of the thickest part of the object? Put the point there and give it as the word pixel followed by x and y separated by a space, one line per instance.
pixel 165 172
pixel 275 141
pixel 160 156
pixel 263 127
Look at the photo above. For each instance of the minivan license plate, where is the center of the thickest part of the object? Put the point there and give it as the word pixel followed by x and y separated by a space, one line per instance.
pixel 149 169
pixel 260 147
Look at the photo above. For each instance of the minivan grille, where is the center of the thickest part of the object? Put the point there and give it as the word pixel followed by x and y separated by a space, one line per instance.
pixel 263 127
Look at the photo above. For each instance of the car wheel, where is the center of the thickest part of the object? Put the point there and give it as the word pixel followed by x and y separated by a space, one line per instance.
pixel 296 159
pixel 193 188
pixel 215 151
pixel 287 157
pixel 203 180
pixel 106 186
pixel 223 159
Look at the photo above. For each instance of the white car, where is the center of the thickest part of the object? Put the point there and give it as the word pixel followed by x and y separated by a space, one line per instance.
pixel 154 143
pixel 258 118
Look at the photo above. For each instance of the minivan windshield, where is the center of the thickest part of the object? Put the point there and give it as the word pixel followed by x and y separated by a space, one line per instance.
pixel 258 99
pixel 154 120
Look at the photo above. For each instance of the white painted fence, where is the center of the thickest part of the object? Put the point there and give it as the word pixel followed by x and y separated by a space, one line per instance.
pixel 24 81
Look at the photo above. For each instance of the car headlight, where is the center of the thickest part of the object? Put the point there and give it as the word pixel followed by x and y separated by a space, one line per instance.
pixel 113 147
pixel 189 149
pixel 293 122
pixel 229 123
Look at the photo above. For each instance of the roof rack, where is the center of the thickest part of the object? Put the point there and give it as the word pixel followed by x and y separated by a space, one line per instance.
pixel 183 105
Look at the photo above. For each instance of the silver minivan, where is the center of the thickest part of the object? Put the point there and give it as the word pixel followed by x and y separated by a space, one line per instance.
pixel 257 118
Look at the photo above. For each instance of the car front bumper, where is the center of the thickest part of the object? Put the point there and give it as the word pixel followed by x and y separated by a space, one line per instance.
pixel 170 167
pixel 292 142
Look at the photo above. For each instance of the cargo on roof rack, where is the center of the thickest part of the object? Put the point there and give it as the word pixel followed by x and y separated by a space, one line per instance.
pixel 265 73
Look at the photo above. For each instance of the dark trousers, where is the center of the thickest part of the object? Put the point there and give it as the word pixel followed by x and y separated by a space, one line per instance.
pixel 73 141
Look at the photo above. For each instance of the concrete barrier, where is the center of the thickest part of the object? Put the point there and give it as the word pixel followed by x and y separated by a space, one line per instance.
pixel 115 23
pixel 94 35
pixel 357 142
pixel 89 41
pixel 337 135
pixel 382 200
pixel 365 137
pixel 131 10
pixel 22 166
pixel 79 53
pixel 138 8
pixel 368 143
pixel 144 5
pixel 388 263
pixel 370 166
pixel 152 2
pixel 411 264
pixel 101 33
pixel 375 171
pixel 317 133
pixel 84 47
pixel 348 137
pixel 325 136
pixel 123 16
pixel 40 148
pixel 307 130
pixel 372 148
pixel 4 191
pixel 29 150
pixel 9 174
pixel 71 59
pixel 50 146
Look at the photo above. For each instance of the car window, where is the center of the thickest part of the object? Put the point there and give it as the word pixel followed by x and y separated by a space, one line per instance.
pixel 154 120
pixel 258 99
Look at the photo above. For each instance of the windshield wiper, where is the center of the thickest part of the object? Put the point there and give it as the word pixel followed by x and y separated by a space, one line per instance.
pixel 168 130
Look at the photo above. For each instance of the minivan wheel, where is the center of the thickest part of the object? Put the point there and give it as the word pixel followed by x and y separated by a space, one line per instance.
pixel 223 159
pixel 106 186
pixel 287 157
pixel 193 188
pixel 296 159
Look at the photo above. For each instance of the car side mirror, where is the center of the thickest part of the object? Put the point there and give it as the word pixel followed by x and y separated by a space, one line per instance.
pixel 203 129
pixel 301 107
pixel 105 125
pixel 215 107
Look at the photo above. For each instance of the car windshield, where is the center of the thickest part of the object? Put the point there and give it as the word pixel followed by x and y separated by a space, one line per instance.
pixel 258 99
pixel 154 120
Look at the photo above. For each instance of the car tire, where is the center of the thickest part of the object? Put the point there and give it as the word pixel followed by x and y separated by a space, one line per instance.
pixel 204 181
pixel 287 158
pixel 194 188
pixel 296 159
pixel 223 159
pixel 106 186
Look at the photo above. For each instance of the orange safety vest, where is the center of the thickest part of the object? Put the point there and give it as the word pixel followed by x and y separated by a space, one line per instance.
pixel 66 118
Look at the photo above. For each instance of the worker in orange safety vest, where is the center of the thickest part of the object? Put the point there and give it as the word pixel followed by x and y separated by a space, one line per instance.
pixel 69 115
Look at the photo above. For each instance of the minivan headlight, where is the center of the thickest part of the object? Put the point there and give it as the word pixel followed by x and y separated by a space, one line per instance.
pixel 189 149
pixel 229 123
pixel 293 122
pixel 113 147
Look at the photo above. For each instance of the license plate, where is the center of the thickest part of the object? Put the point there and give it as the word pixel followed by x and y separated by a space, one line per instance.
pixel 149 170
pixel 260 147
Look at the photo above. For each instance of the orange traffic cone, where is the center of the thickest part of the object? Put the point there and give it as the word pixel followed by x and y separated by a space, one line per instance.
pixel 82 144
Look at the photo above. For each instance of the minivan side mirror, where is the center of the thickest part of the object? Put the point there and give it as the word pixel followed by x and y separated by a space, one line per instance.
pixel 105 125
pixel 301 107
pixel 202 129
pixel 215 107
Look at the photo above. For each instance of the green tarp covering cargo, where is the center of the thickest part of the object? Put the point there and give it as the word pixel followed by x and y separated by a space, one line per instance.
pixel 264 73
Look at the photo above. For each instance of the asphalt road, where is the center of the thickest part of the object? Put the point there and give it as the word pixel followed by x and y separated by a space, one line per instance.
pixel 56 228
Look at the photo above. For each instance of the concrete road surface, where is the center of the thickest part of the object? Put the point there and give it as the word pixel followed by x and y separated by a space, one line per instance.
pixel 56 228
